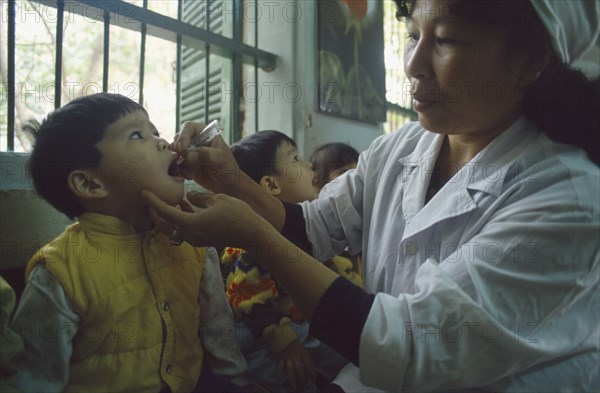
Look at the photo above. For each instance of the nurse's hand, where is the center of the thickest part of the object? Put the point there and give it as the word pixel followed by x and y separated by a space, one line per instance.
pixel 225 221
pixel 220 221
pixel 212 166
pixel 215 168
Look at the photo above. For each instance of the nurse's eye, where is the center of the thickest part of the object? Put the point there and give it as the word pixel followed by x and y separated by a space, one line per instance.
pixel 136 135
pixel 445 41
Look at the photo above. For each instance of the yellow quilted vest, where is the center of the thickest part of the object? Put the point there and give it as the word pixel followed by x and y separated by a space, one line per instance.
pixel 136 297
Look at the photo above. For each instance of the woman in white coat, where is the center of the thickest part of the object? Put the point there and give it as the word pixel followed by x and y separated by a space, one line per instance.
pixel 478 225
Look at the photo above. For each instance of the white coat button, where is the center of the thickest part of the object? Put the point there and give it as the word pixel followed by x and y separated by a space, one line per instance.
pixel 411 248
pixel 169 369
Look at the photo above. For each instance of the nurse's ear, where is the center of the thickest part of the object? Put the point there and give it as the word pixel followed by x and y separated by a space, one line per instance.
pixel 536 59
pixel 534 69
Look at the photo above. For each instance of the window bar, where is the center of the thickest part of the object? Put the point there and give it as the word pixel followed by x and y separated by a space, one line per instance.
pixel 236 65
pixel 207 67
pixel 142 59
pixel 178 71
pixel 106 50
pixel 167 28
pixel 59 44
pixel 256 67
pixel 10 135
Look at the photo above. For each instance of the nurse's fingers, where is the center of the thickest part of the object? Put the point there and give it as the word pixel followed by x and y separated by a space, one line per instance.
pixel 184 136
pixel 186 206
pixel 165 212
pixel 162 225
pixel 200 199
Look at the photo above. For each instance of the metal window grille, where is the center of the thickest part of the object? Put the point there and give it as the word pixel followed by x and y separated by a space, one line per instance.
pixel 207 61
pixel 399 102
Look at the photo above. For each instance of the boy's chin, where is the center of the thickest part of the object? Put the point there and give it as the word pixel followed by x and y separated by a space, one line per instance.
pixel 171 199
pixel 175 201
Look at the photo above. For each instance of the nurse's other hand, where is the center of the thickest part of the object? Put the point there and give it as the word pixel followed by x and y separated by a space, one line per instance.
pixel 212 166
pixel 220 221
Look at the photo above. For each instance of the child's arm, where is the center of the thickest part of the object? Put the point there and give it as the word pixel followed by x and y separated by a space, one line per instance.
pixel 47 324
pixel 217 329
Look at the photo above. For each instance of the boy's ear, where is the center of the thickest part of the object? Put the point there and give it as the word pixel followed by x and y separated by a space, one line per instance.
pixel 85 184
pixel 270 185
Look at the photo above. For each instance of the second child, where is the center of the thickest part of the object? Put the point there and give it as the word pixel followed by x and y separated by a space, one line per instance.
pixel 274 337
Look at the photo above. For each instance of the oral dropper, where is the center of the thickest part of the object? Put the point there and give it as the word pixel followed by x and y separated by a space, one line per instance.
pixel 203 138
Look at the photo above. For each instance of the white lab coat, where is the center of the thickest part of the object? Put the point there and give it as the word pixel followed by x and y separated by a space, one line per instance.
pixel 494 282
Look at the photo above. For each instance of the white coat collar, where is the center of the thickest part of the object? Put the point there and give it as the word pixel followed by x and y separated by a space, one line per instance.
pixel 487 170
pixel 489 167
pixel 484 173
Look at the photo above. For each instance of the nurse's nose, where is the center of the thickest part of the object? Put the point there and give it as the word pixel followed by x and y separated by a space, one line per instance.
pixel 417 60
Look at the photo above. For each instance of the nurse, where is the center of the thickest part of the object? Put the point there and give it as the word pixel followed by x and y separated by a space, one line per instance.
pixel 478 229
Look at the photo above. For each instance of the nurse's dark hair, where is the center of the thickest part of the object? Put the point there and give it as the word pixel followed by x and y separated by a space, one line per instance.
pixel 256 153
pixel 66 140
pixel 562 102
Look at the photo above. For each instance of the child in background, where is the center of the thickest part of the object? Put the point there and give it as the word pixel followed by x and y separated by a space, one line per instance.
pixel 273 335
pixel 111 304
pixel 330 161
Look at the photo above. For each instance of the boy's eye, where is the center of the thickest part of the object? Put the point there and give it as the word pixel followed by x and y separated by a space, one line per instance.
pixel 136 135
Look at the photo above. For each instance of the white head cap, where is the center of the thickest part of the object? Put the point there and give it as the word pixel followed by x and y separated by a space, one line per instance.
pixel 574 27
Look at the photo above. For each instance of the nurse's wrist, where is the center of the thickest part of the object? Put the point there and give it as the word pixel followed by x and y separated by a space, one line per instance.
pixel 340 316
pixel 263 242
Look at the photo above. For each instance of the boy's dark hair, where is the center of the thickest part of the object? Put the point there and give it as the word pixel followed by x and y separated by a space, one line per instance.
pixel 66 141
pixel 255 154
pixel 331 156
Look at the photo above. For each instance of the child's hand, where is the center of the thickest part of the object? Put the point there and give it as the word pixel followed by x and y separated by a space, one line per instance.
pixel 295 364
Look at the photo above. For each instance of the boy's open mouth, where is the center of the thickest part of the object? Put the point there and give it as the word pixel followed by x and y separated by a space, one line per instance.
pixel 173 170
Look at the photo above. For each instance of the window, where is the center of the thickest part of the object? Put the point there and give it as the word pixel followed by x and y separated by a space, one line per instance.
pixel 182 59
pixel 399 102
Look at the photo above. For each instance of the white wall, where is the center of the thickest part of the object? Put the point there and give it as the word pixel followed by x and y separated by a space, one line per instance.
pixel 288 29
pixel 313 127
